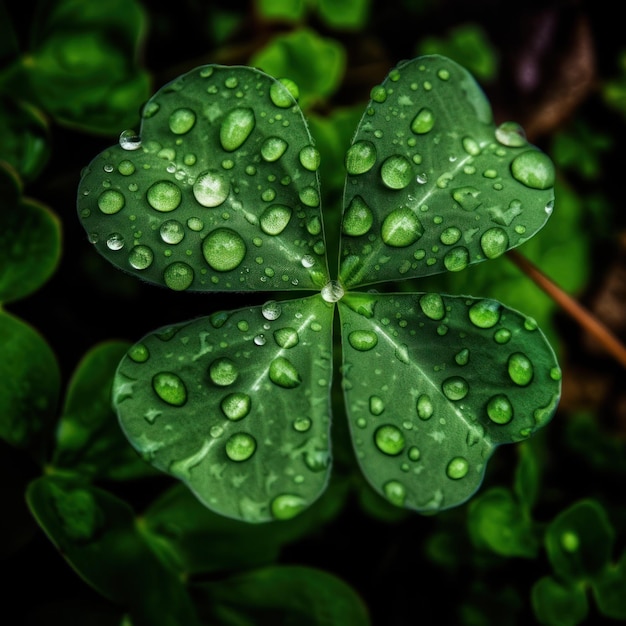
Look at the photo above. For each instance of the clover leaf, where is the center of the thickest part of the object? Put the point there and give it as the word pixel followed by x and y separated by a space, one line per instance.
pixel 219 192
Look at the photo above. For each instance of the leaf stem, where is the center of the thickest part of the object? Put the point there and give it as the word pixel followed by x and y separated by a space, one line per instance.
pixel 573 308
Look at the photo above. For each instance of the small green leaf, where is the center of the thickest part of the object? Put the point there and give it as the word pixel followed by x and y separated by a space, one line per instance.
pixel 287 10
pixel 219 192
pixel 344 14
pixel 432 185
pixel 556 604
pixel 237 406
pixel 96 533
pixel 527 475
pixel 288 594
pixel 31 382
pixel 579 541
pixel 433 384
pixel 609 590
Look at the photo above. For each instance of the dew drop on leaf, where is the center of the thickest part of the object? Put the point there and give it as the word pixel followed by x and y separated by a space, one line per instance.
pixel 456 259
pixel 283 373
pixel 310 158
pixel 363 340
pixel 358 218
pixel 360 157
pixel 520 369
pixel 396 172
pixel 111 201
pixel 236 406
pixel 424 407
pixel 236 128
pixel 139 353
pixel 494 242
pixel 432 306
pixel 164 196
pixel 401 228
pixel 376 405
pixel 172 231
pixel 223 372
pixel 181 121
pixel 129 140
pixel 500 409
pixel 455 388
pixel 178 276
pixel 273 148
pixel 286 506
pixel 223 249
pixel 533 169
pixel 275 219
pixel 389 439
pixel 286 337
pixel 485 313
pixel 423 122
pixel 395 492
pixel 141 257
pixel 211 188
pixel 170 388
pixel 240 447
pixel 457 468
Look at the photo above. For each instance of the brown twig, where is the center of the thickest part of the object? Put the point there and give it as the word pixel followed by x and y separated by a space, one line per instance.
pixel 573 308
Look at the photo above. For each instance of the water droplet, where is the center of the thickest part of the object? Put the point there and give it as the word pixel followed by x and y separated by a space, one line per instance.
pixel 178 276
pixel 283 373
pixel 457 259
pixel 181 121
pixel 533 169
pixel 423 122
pixel 502 336
pixel 283 93
pixel 236 128
pixel 457 468
pixel 395 492
pixel 170 388
pixel 363 340
pixel 401 228
pixel 511 134
pixel 286 337
pixel 389 439
pixel 462 357
pixel 273 148
pixel 271 310
pixel 450 236
pixel 139 353
pixel 421 179
pixel 555 373
pixel 520 369
pixel 424 407
pixel 494 242
pixel 432 306
pixel 377 406
pixel 570 541
pixel 260 340
pixel 287 506
pixel 172 231
pixel 309 196
pixel 111 202
pixel 332 291
pixel 414 453
pixel 310 158
pixel 467 197
pixel 141 257
pixel 129 140
pixel 396 172
pixel 275 219
pixel 240 447
pixel 471 146
pixel 485 313
pixel 211 188
pixel 307 261
pixel 360 157
pixel 223 372
pixel 378 93
pixel 455 388
pixel 500 409
pixel 302 424
pixel 126 167
pixel 223 249
pixel 358 217
pixel 164 196
pixel 115 241
pixel 236 406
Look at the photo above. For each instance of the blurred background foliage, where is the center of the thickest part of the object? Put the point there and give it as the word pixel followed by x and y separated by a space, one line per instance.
pixel 94 536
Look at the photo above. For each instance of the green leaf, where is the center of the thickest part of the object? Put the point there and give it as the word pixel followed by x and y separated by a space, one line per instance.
pixel 236 405
pixel 433 384
pixel 498 522
pixel 95 532
pixel 579 541
pixel 287 10
pixel 609 590
pixel 201 542
pixel 31 382
pixel 344 14
pixel 89 441
pixel 556 604
pixel 287 594
pixel 432 184
pixel 527 474
pixel 316 64
pixel 221 194
pixel 30 241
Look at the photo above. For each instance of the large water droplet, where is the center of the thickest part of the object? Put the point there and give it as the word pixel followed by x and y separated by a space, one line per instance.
pixel 485 313
pixel 240 447
pixel 500 409
pixel 360 157
pixel 211 188
pixel 236 406
pixel 286 506
pixel 432 306
pixel 181 121
pixel 139 353
pixel 455 388
pixel 164 196
pixel 376 405
pixel 423 122
pixel 170 388
pixel 533 169
pixel 332 291
pixel 129 140
pixel 511 134
pixel 358 217
pixel 111 202
pixel 275 219
pixel 223 372
pixel 283 373
pixel 273 148
pixel 310 158
pixel 401 228
pixel 271 310
pixel 363 340
pixel 494 242
pixel 389 439
pixel 456 259
pixel 178 276
pixel 520 369
pixel 172 231
pixel 425 408
pixel 457 468
pixel 283 93
pixel 395 492
pixel 467 197
pixel 286 337
pixel 223 249
pixel 396 172
pixel 141 257
pixel 236 128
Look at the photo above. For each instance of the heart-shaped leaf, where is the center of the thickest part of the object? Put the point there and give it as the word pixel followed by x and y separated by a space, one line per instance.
pixel 236 405
pixel 432 185
pixel 218 192
pixel 433 384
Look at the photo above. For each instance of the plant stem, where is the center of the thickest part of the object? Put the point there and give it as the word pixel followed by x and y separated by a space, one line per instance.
pixel 587 320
